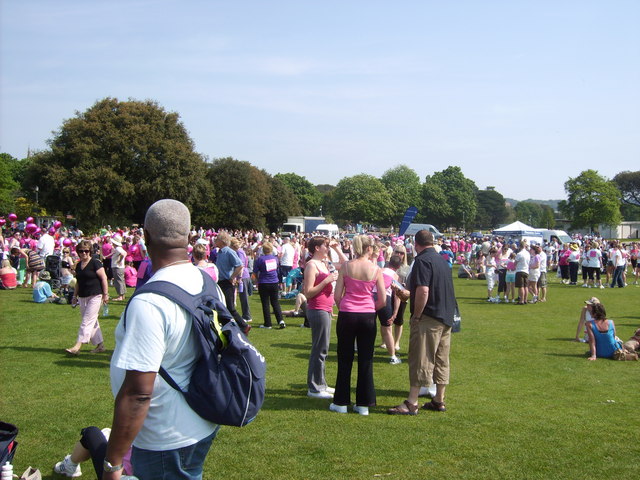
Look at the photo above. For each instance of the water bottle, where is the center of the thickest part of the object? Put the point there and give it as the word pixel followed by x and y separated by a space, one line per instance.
pixel 7 471
pixel 105 310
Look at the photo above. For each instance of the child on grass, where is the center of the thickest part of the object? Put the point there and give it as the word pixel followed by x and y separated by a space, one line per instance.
pixel 510 295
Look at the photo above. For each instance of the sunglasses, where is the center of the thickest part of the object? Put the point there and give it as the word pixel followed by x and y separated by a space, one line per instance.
pixel 84 251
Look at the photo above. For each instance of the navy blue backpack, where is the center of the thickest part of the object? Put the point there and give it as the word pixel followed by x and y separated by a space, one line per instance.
pixel 228 382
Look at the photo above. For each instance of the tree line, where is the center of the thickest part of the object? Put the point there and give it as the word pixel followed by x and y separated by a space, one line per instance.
pixel 106 165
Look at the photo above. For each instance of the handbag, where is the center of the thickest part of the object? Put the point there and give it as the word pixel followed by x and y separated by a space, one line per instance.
pixel 31 474
pixel 457 320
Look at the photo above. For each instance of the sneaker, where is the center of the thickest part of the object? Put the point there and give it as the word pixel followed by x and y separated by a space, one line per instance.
pixel 602 287
pixel 281 324
pixel 248 320
pixel 395 360
pixel 584 285
pixel 264 326
pixel 67 468
pixel 247 329
pixel 323 394
pixel 338 408
pixel 331 390
pixel 361 410
pixel 496 300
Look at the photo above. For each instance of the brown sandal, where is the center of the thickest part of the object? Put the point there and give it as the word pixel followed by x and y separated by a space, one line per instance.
pixel 404 408
pixel 435 406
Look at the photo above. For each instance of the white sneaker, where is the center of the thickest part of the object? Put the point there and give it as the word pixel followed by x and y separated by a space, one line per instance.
pixel 395 360
pixel 322 394
pixel 427 391
pixel 338 408
pixel 361 410
pixel 67 468
pixel 584 285
pixel 331 390
pixel 602 287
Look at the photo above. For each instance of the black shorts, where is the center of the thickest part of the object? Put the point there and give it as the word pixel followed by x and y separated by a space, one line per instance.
pixel 386 312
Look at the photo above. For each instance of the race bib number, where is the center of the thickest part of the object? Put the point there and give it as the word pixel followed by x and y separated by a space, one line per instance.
pixel 271 265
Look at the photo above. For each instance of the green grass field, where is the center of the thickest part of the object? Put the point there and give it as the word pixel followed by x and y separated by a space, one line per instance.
pixel 524 402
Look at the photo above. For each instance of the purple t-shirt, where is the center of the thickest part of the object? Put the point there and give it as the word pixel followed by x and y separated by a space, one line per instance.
pixel 266 267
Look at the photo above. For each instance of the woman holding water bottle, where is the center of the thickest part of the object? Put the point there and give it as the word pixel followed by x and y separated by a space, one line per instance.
pixel 91 292
pixel 319 275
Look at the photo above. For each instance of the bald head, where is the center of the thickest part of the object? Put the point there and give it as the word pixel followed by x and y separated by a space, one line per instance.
pixel 168 223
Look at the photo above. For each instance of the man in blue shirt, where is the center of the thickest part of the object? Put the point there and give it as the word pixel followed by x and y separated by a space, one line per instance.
pixel 229 273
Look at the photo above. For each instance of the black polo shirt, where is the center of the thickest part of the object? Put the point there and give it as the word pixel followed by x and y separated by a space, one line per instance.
pixel 431 270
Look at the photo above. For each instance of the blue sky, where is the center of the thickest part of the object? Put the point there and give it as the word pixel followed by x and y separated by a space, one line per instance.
pixel 520 95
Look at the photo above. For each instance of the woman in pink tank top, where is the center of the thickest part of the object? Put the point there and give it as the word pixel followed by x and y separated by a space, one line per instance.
pixel 357 325
pixel 318 288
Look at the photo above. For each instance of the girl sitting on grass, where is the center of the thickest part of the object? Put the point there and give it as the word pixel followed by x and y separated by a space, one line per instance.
pixel 602 334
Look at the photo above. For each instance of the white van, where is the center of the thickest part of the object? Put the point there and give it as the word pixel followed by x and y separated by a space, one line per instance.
pixel 559 236
pixel 328 229
pixel 416 227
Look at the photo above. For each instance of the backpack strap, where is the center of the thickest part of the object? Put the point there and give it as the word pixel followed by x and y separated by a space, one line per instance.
pixel 191 303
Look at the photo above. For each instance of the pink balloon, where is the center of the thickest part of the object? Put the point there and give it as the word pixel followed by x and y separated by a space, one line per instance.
pixel 38 230
pixel 56 243
pixel 57 224
pixel 29 220
pixel 12 217
pixel 52 231
pixel 67 242
pixel 30 228
pixel 2 222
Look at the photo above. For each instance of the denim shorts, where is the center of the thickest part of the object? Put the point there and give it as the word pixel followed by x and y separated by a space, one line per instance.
pixel 182 463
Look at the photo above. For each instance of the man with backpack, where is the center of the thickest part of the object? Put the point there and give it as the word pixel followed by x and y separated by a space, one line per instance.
pixel 156 333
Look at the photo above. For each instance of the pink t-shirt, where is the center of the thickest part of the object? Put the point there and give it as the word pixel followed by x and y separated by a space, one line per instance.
pixel 107 248
pixel 358 296
pixel 324 299
pixel 130 276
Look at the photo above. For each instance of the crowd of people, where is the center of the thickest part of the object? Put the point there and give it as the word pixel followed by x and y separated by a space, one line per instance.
pixel 370 279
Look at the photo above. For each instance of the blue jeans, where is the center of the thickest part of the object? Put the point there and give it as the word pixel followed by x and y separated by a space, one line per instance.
pixel 617 277
pixel 182 463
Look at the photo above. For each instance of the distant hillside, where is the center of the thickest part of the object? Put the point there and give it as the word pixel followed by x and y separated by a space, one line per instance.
pixel 552 203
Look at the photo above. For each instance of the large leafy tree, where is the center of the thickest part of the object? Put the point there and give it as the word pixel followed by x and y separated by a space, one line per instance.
pixel 629 185
pixel 240 192
pixel 459 194
pixel 108 164
pixel 592 200
pixel 403 185
pixel 362 199
pixel 492 210
pixel 282 203
pixel 8 185
pixel 529 213
pixel 309 198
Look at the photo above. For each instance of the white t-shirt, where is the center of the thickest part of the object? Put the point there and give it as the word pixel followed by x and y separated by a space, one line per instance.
pixel 522 261
pixel 543 262
pixel 286 260
pixel 118 257
pixel 593 258
pixel 46 244
pixel 158 334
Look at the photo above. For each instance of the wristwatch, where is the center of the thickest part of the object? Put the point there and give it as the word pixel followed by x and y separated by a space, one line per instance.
pixel 107 467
